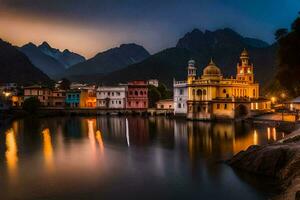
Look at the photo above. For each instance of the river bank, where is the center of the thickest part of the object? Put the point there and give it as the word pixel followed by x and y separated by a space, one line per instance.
pixel 280 160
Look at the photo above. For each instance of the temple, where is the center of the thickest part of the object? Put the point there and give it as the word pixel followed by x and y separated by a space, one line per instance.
pixel 212 96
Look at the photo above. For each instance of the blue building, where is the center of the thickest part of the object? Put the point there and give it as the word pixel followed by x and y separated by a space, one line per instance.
pixel 73 98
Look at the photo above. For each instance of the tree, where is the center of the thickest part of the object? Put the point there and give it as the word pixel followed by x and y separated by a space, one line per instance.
pixel 164 92
pixel 65 84
pixel 280 33
pixel 288 60
pixel 153 95
pixel 31 105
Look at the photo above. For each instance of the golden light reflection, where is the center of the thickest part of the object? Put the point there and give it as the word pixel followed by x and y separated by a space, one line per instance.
pixel 48 149
pixel 269 133
pixel 91 133
pixel 11 153
pixel 255 139
pixel 100 141
pixel 274 134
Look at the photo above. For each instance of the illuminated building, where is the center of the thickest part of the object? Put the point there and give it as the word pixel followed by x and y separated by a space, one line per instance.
pixel 113 97
pixel 137 95
pixel 180 97
pixel 211 96
pixel 73 98
pixel 42 93
pixel 88 98
pixel 165 104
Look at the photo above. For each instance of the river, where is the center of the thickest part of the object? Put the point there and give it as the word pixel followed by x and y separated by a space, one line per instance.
pixel 111 157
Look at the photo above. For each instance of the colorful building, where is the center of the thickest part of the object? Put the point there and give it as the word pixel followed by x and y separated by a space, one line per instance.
pixel 211 96
pixel 73 98
pixel 58 98
pixel 294 104
pixel 180 97
pixel 42 93
pixel 113 97
pixel 165 104
pixel 88 98
pixel 137 95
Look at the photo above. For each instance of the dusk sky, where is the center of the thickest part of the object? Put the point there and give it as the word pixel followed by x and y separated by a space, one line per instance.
pixel 91 26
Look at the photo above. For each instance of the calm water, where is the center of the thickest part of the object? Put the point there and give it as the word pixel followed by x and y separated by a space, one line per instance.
pixel 157 158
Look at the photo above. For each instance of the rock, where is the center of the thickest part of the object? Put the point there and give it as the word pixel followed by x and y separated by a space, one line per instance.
pixel 297 197
pixel 280 160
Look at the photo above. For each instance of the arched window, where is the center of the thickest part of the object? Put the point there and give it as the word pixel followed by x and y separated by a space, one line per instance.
pixel 141 92
pixel 199 92
pixel 136 93
pixel 204 92
pixel 224 91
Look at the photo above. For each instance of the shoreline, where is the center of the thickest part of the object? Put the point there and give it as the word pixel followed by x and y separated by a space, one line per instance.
pixel 280 160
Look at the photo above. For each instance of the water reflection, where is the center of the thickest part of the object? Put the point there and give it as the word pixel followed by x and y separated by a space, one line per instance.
pixel 100 141
pixel 47 148
pixel 171 156
pixel 11 153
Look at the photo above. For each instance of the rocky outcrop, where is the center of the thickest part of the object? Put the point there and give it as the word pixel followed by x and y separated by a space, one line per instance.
pixel 280 160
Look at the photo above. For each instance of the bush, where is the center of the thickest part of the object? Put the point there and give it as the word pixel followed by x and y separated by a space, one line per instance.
pixel 31 105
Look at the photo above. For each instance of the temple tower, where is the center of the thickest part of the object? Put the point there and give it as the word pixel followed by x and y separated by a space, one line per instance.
pixel 244 68
pixel 192 70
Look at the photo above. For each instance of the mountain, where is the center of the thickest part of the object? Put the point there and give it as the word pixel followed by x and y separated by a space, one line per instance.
pixel 66 58
pixel 110 60
pixel 223 45
pixel 16 67
pixel 47 64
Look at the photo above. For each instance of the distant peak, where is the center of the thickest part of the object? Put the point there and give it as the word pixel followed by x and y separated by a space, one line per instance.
pixel 45 44
pixel 30 44
pixel 129 45
pixel 196 30
pixel 66 51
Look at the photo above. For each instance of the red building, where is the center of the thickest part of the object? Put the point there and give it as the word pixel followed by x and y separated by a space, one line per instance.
pixel 137 95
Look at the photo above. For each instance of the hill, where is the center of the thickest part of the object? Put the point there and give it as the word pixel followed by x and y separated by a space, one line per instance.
pixel 110 60
pixel 223 45
pixel 45 63
pixel 16 67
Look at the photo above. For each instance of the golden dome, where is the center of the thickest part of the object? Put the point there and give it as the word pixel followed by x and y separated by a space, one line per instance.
pixel 244 54
pixel 211 70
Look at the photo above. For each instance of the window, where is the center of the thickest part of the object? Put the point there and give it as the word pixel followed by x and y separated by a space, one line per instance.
pixel 118 93
pixel 179 105
pixel 224 91
pixel 108 93
pixel 204 92
pixel 161 106
pixel 199 108
pixel 199 92
pixel 112 94
pixel 193 91
pixel 218 106
pixel 141 92
pixel 136 93
pixel 225 106
pixel 181 91
pixel 254 93
pixel 120 102
pixel 130 93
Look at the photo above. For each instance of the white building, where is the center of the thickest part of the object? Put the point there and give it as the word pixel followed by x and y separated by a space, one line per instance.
pixel 111 97
pixel 180 97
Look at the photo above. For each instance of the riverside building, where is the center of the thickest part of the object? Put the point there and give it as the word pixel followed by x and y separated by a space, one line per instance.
pixel 113 97
pixel 212 96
